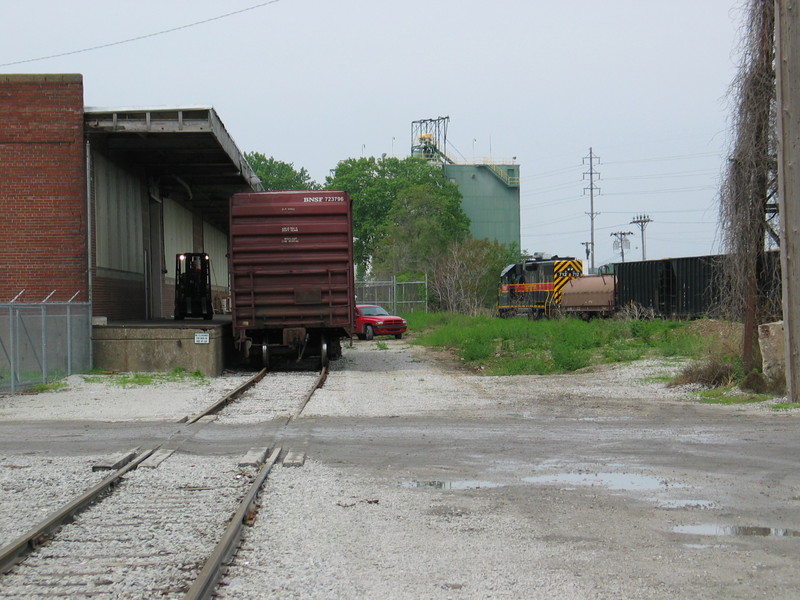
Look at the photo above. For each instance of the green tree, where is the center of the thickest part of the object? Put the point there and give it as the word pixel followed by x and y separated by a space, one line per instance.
pixel 278 175
pixel 398 203
pixel 421 224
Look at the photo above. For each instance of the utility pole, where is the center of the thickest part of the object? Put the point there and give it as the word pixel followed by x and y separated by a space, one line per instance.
pixel 642 221
pixel 621 241
pixel 592 188
pixel 787 63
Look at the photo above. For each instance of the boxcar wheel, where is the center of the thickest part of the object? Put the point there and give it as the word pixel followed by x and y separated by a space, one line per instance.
pixel 264 356
pixel 323 352
pixel 369 332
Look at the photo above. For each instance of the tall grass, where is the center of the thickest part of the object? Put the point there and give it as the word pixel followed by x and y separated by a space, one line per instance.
pixel 522 346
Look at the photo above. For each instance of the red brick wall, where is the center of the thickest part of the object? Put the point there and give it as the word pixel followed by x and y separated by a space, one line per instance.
pixel 119 299
pixel 42 188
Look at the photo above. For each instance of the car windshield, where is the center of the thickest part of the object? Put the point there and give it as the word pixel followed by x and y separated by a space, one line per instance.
pixel 373 311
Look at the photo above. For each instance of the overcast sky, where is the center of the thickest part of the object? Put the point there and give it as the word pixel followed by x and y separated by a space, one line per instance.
pixel 644 83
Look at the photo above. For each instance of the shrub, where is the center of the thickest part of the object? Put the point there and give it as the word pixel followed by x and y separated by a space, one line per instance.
pixel 712 372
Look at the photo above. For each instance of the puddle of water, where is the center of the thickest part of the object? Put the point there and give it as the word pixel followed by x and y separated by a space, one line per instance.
pixel 722 530
pixel 613 481
pixel 699 504
pixel 467 484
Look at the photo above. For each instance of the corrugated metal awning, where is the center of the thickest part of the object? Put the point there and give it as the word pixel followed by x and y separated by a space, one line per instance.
pixel 187 148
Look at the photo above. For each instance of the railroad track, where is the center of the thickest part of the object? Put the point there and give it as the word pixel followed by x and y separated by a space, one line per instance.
pixel 143 533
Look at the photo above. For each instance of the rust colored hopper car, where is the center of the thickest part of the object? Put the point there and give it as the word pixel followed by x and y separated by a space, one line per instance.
pixel 292 280
pixel 589 296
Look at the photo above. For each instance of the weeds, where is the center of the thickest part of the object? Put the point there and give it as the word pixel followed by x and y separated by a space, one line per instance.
pixel 48 387
pixel 784 406
pixel 519 346
pixel 730 396
pixel 142 379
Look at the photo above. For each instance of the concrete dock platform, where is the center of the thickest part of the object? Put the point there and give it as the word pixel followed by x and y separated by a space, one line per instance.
pixel 163 345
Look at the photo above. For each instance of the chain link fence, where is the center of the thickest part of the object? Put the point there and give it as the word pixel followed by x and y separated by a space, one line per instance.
pixel 397 297
pixel 43 341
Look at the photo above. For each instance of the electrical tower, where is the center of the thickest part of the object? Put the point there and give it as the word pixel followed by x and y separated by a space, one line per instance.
pixel 592 188
pixel 622 241
pixel 642 221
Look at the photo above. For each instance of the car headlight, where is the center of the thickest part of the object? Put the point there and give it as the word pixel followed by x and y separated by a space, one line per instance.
pixel 378 322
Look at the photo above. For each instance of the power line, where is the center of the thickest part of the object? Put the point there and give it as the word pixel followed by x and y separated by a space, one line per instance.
pixel 551 173
pixel 546 223
pixel 553 188
pixel 663 158
pixel 140 37
pixel 553 202
pixel 698 188
pixel 673 175
pixel 656 212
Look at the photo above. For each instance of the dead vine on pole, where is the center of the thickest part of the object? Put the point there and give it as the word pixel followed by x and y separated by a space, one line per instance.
pixel 748 219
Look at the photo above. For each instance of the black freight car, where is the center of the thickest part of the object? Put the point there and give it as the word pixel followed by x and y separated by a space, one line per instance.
pixel 683 288
pixel 292 279
pixel 673 288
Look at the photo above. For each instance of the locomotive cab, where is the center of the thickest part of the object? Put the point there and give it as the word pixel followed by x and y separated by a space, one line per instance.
pixel 533 287
pixel 193 286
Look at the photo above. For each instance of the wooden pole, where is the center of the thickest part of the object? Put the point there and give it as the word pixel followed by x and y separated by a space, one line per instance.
pixel 787 32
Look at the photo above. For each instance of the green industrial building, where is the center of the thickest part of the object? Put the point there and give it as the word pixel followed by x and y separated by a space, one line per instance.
pixel 490 195
pixel 489 189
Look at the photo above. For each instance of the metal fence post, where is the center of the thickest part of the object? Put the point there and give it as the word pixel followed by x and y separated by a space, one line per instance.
pixel 17 336
pixel 44 342
pixel 426 291
pixel 69 339
pixel 12 347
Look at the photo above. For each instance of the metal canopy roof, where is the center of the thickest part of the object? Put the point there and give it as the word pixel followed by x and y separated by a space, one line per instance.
pixel 187 149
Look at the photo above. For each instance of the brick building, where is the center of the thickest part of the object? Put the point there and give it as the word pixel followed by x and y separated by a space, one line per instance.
pixel 96 202
pixel 42 187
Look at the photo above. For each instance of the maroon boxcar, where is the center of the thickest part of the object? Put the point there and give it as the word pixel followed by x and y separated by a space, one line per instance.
pixel 291 268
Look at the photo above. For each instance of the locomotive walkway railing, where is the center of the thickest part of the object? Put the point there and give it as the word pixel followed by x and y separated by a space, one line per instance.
pixel 43 341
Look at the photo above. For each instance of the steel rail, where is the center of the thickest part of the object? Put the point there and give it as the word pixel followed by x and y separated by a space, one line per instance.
pixel 323 375
pixel 27 542
pixel 206 583
pixel 219 404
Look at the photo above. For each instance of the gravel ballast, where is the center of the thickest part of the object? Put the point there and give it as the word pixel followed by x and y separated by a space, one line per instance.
pixel 424 480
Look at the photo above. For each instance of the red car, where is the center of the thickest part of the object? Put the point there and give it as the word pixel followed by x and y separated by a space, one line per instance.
pixel 372 320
